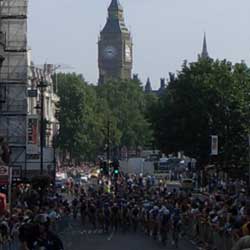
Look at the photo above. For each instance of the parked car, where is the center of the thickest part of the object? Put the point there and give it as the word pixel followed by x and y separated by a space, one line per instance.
pixel 173 186
pixel 187 184
pixel 60 184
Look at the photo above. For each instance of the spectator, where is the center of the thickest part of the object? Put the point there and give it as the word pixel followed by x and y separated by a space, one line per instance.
pixel 243 243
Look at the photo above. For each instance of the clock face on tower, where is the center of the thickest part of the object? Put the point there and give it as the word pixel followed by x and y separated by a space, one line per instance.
pixel 128 54
pixel 109 52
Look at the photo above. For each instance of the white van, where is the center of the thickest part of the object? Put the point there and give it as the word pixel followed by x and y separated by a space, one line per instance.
pixel 173 186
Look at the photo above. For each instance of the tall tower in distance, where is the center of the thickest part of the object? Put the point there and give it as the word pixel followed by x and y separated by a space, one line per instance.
pixel 115 48
pixel 204 53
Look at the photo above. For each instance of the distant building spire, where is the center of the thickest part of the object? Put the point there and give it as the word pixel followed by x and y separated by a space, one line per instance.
pixel 163 83
pixel 204 53
pixel 115 6
pixel 148 87
pixel 115 21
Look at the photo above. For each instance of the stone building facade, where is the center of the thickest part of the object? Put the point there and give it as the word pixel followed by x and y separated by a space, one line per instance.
pixel 20 96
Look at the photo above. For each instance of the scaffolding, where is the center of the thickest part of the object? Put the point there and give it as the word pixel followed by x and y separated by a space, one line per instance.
pixel 14 80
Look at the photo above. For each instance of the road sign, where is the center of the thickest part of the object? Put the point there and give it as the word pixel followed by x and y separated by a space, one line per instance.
pixel 4 174
pixel 214 145
pixel 4 170
pixel 32 93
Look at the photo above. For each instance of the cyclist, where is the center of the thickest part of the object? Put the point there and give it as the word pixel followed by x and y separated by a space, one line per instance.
pixel 92 213
pixel 107 217
pixel 135 217
pixel 146 215
pixel 83 211
pixel 100 215
pixel 176 226
pixel 164 224
pixel 75 208
pixel 115 216
pixel 125 217
pixel 154 221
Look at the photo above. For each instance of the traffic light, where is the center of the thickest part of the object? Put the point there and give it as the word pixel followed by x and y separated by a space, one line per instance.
pixel 101 167
pixel 116 166
pixel 104 168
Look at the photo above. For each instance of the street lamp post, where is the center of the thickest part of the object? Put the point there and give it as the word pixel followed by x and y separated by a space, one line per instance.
pixel 42 85
pixel 249 160
pixel 108 147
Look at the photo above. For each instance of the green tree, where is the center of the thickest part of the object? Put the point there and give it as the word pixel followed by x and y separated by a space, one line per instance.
pixel 205 98
pixel 125 109
pixel 94 116
pixel 78 123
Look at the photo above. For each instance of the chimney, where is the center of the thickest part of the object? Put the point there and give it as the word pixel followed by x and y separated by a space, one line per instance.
pixel 163 84
pixel 135 77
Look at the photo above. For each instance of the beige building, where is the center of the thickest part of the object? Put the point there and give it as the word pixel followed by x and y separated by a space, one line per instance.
pixel 20 95
pixel 36 77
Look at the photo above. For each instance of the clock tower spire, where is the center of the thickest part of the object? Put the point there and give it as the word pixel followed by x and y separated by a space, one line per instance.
pixel 115 46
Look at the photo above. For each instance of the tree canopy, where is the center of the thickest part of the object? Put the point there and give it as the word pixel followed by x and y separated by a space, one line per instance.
pixel 92 116
pixel 205 98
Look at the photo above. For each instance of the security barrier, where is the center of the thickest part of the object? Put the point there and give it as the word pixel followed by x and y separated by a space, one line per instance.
pixel 208 234
pixel 62 224
pixel 10 245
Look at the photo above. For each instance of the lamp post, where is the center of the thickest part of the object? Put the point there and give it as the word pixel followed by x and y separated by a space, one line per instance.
pixel 2 88
pixel 108 141
pixel 42 85
pixel 54 159
pixel 249 160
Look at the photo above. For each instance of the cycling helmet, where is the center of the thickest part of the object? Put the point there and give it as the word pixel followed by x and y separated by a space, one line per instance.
pixel 42 219
pixel 177 211
pixel 165 211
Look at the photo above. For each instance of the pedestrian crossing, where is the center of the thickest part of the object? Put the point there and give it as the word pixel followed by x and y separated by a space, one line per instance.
pixel 84 232
pixel 95 231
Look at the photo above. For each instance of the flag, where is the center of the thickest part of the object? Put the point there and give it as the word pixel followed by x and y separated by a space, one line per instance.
pixel 214 145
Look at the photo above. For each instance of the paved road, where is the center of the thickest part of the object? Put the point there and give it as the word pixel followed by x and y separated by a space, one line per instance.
pixel 77 237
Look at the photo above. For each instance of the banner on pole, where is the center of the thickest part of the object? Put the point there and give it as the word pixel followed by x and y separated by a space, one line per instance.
pixel 4 175
pixel 32 136
pixel 214 145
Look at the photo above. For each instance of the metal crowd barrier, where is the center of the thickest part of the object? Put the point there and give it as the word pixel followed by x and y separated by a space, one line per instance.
pixel 62 224
pixel 10 245
pixel 207 235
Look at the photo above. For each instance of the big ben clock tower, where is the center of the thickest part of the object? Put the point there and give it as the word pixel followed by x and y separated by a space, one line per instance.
pixel 115 55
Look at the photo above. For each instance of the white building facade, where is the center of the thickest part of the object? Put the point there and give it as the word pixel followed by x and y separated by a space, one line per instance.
pixel 20 96
pixel 33 150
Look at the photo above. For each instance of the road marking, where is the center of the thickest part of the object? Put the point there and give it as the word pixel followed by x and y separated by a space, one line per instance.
pixel 69 245
pixel 84 232
pixel 111 236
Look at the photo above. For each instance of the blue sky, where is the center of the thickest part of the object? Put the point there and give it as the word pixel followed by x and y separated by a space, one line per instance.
pixel 165 32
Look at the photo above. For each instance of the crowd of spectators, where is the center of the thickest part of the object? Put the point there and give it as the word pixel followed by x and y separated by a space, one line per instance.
pixel 17 223
pixel 224 206
pixel 221 207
